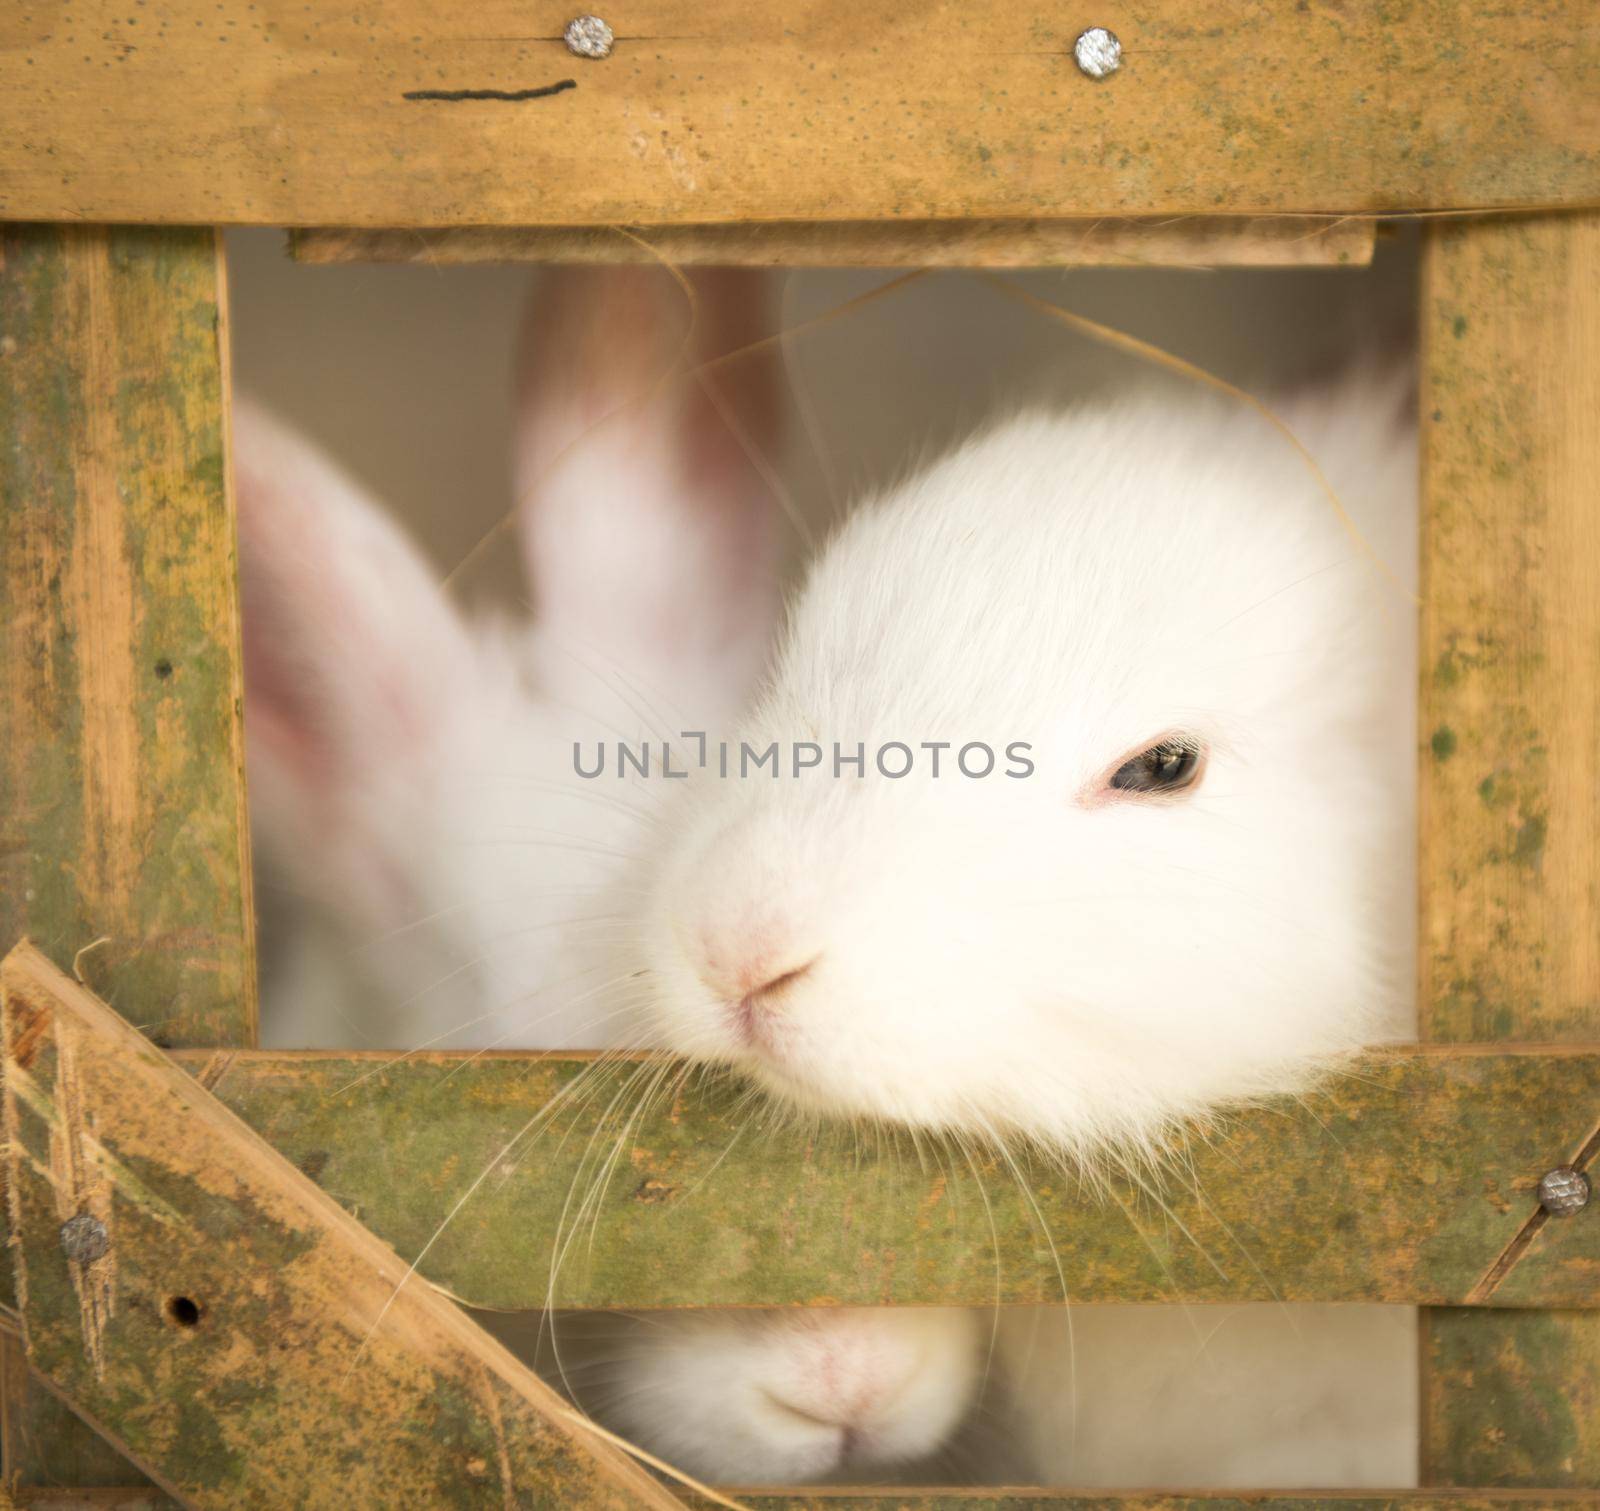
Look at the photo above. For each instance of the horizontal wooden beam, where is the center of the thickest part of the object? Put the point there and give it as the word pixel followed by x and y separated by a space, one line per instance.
pixel 1011 1498
pixel 1406 1179
pixel 417 114
pixel 214 1315
pixel 1186 242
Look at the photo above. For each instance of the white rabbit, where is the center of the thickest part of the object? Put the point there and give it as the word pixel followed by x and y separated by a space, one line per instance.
pixel 413 776
pixel 1194 892
pixel 1055 955
pixel 1190 896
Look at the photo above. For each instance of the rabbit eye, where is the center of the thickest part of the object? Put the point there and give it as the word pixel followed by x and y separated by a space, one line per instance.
pixel 1172 766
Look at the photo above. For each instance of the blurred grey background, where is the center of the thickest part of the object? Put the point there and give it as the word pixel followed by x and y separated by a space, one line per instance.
pixel 401 371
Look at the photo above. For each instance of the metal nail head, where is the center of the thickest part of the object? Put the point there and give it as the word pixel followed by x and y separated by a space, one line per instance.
pixel 588 37
pixel 1098 52
pixel 1563 1191
pixel 84 1238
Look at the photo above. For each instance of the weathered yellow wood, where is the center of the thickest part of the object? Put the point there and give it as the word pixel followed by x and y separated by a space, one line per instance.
pixel 229 1325
pixel 1511 632
pixel 846 1498
pixel 123 845
pixel 1510 778
pixel 267 112
pixel 1185 242
pixel 44 1443
pixel 1405 1180
pixel 1056 1500
pixel 123 842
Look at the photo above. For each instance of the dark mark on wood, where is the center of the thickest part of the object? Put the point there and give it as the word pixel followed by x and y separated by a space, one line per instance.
pixel 491 94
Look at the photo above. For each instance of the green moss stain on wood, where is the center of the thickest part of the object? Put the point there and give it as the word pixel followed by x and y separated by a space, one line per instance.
pixel 46 1442
pixel 1052 1500
pixel 120 755
pixel 1511 632
pixel 1402 1180
pixel 1510 864
pixel 244 1341
pixel 1513 1398
pixel 1010 1499
pixel 121 788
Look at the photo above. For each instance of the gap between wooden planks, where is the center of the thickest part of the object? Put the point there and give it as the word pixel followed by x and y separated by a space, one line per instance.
pixel 1200 241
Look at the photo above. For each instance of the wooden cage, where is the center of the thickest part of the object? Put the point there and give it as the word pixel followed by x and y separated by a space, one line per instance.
pixel 180 1286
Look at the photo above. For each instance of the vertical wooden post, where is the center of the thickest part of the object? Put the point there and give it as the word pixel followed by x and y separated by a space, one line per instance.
pixel 1510 766
pixel 123 838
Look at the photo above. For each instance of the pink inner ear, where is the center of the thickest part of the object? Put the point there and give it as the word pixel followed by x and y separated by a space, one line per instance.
pixel 279 717
pixel 647 526
pixel 599 342
pixel 311 771
pixel 333 701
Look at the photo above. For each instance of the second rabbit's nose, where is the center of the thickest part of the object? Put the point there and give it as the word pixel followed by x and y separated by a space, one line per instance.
pixel 765 999
pixel 780 982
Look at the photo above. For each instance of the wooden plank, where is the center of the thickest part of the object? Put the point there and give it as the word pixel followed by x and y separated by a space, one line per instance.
pixel 1512 1398
pixel 230 1326
pixel 1403 1181
pixel 264 112
pixel 1057 1500
pixel 1511 632
pixel 123 841
pixel 1510 771
pixel 124 1498
pixel 1186 242
pixel 846 1498
pixel 45 1444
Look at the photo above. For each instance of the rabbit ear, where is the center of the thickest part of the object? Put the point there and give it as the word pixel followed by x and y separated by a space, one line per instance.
pixel 647 527
pixel 353 657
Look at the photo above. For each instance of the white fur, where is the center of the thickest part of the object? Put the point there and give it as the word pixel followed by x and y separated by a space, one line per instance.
pixel 1001 957
pixel 413 780
pixel 1029 956
pixel 787 1397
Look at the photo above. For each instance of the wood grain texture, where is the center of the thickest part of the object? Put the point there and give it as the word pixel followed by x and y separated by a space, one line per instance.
pixel 281 113
pixel 240 1333
pixel 1057 1500
pixel 1510 772
pixel 1403 1181
pixel 122 822
pixel 45 1444
pixel 1511 632
pixel 847 1498
pixel 1185 242
pixel 123 842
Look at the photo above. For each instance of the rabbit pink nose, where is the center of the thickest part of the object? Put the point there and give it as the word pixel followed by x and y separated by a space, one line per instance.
pixel 753 1011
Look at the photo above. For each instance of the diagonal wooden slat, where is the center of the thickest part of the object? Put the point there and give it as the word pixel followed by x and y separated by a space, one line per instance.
pixel 226 1323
